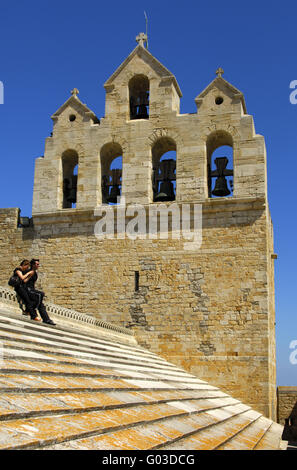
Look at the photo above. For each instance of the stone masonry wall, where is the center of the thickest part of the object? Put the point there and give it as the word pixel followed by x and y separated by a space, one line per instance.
pixel 287 404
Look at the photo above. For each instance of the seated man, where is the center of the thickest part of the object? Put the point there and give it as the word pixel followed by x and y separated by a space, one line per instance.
pixel 37 295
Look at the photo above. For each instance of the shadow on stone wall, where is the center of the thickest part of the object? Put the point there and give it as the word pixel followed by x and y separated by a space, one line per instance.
pixel 290 427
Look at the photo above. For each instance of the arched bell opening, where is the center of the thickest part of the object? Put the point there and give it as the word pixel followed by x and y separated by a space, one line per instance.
pixel 220 164
pixel 164 170
pixel 111 170
pixel 70 175
pixel 139 92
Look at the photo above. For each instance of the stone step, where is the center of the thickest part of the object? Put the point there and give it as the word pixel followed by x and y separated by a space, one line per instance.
pixel 36 383
pixel 16 405
pixel 23 366
pixel 47 430
pixel 112 369
pixel 79 345
pixel 272 438
pixel 47 331
pixel 69 320
pixel 250 437
pixel 17 363
pixel 152 377
pixel 153 370
pixel 212 438
pixel 49 344
pixel 160 434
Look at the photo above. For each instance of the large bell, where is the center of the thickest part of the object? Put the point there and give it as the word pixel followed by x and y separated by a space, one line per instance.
pixel 221 188
pixel 70 189
pixel 72 196
pixel 142 108
pixel 115 192
pixel 166 192
pixel 142 113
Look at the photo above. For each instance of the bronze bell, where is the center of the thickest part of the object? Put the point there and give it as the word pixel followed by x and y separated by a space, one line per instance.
pixel 70 189
pixel 72 196
pixel 221 188
pixel 143 102
pixel 142 113
pixel 166 192
pixel 113 195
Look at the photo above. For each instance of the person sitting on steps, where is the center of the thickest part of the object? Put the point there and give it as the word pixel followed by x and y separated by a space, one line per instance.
pixel 25 273
pixel 36 295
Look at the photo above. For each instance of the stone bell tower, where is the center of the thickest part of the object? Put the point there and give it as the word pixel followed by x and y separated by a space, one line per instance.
pixel 208 309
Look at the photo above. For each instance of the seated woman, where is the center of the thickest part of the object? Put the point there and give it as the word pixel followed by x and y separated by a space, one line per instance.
pixel 24 275
pixel 34 294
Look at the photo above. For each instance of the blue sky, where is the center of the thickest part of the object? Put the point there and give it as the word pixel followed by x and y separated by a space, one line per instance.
pixel 47 48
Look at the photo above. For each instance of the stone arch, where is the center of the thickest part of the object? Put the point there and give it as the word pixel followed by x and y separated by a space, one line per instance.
pixel 163 132
pixel 139 91
pixel 118 139
pixel 216 127
pixel 221 167
pixel 129 74
pixel 164 170
pixel 111 178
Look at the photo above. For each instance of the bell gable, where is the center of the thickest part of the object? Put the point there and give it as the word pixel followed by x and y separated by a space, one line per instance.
pixel 220 96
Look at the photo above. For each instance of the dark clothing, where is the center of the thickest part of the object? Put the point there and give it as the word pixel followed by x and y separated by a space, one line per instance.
pixel 36 296
pixel 15 274
pixel 31 282
pixel 22 291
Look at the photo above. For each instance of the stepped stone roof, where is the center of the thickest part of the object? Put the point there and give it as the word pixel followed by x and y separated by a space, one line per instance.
pixel 88 385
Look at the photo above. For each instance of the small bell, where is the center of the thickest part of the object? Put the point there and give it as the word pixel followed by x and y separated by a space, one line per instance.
pixel 166 192
pixel 73 190
pixel 142 112
pixel 70 189
pixel 143 104
pixel 115 192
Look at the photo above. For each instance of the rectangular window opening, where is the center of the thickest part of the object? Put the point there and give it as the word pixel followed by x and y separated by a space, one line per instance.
pixel 136 278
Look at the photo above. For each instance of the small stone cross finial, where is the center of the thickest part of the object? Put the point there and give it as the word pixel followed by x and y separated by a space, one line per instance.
pixel 74 91
pixel 219 72
pixel 141 39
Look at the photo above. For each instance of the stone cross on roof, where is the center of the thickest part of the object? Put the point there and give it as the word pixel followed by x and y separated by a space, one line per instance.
pixel 141 39
pixel 219 72
pixel 74 91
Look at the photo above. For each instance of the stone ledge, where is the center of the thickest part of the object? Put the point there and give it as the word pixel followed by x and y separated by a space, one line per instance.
pixel 287 389
pixel 225 204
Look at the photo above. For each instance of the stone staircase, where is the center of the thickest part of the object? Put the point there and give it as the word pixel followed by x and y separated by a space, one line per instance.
pixel 81 385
